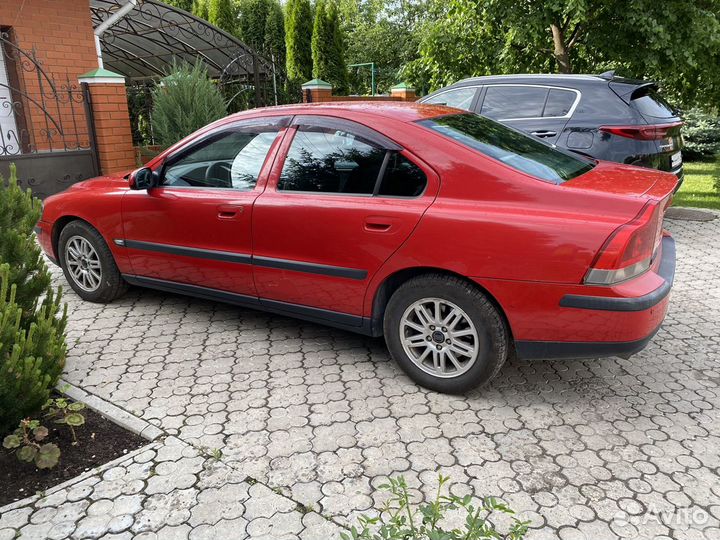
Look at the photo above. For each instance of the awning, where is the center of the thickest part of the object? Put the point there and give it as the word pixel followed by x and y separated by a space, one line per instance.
pixel 144 43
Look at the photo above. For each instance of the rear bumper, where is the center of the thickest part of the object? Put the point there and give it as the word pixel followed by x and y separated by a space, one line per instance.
pixel 640 303
pixel 546 350
pixel 585 326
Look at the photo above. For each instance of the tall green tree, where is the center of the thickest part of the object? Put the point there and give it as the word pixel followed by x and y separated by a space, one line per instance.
pixel 261 25
pixel 222 14
pixel 275 34
pixel 252 18
pixel 327 46
pixel 298 36
pixel 674 41
pixel 200 8
pixel 385 33
pixel 187 5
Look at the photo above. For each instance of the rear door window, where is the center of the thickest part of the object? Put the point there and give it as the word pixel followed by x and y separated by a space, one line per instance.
pixel 328 160
pixel 460 98
pixel 504 102
pixel 514 149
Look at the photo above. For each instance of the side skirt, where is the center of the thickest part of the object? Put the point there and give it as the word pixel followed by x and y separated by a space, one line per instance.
pixel 344 321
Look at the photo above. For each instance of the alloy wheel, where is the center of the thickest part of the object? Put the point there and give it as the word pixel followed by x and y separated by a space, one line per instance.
pixel 83 263
pixel 439 337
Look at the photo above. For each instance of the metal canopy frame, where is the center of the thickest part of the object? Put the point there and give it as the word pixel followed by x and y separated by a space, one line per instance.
pixel 144 43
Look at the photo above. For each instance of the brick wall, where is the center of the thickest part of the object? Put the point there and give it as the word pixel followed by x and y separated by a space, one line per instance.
pixel 112 127
pixel 313 93
pixel 60 34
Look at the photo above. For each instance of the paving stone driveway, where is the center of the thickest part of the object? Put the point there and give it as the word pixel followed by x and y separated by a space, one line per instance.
pixel 590 450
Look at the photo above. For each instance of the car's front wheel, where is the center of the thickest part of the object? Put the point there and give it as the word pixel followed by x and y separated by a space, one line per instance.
pixel 445 333
pixel 88 264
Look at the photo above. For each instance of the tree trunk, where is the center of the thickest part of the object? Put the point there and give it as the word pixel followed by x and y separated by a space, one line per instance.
pixel 561 52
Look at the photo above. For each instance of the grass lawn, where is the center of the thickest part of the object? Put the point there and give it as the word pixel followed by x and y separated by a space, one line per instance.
pixel 697 189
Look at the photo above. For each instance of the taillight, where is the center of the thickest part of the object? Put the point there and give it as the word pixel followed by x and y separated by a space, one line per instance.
pixel 644 133
pixel 630 249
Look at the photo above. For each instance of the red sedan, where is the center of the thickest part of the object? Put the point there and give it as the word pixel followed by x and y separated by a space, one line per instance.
pixel 460 240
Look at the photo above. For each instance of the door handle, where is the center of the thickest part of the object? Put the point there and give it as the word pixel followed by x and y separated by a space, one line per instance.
pixel 377 225
pixel 544 133
pixel 229 211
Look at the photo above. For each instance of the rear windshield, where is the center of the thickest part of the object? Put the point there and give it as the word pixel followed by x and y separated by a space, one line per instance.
pixel 513 148
pixel 651 103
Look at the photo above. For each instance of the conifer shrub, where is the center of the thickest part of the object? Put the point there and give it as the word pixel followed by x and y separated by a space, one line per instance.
pixel 32 317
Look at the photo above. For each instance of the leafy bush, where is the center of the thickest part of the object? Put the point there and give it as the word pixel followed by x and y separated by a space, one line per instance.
pixel 398 520
pixel 184 101
pixel 701 133
pixel 32 327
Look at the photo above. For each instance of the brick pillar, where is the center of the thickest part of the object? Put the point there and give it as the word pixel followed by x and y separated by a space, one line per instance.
pixel 403 92
pixel 316 91
pixel 113 136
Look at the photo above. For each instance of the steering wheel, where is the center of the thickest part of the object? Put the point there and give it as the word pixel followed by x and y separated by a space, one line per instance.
pixel 218 174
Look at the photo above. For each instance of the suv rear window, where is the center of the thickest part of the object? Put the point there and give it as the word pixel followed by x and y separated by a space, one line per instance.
pixel 651 103
pixel 513 148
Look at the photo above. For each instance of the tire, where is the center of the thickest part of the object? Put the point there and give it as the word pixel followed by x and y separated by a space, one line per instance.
pixel 474 326
pixel 105 288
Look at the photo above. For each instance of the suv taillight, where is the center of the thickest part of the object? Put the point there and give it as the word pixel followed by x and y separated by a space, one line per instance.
pixel 643 133
pixel 630 249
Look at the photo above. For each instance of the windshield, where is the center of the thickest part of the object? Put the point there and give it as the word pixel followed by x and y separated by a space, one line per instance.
pixel 513 148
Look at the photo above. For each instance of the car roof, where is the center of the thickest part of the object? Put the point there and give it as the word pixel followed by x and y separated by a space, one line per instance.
pixel 397 110
pixel 570 80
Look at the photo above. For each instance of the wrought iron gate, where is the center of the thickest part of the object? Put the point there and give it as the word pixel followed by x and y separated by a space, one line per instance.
pixel 46 128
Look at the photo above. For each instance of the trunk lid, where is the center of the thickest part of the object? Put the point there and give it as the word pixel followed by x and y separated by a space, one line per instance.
pixel 626 180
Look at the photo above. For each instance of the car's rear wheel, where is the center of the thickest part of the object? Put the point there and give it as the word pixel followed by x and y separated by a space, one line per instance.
pixel 88 264
pixel 445 333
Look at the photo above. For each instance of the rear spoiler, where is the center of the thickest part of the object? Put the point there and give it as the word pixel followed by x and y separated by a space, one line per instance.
pixel 628 91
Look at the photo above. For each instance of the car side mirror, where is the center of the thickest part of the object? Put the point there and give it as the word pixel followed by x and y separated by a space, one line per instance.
pixel 144 178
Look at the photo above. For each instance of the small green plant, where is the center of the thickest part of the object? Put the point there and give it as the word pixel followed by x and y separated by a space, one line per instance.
pixel 27 438
pixel 399 520
pixel 61 411
pixel 26 441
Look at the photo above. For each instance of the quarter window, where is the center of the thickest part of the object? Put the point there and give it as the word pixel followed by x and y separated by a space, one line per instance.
pixel 503 102
pixel 231 159
pixel 559 103
pixel 402 178
pixel 328 160
pixel 461 98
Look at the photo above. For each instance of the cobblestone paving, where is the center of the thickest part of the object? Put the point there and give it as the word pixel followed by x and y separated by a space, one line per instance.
pixel 593 450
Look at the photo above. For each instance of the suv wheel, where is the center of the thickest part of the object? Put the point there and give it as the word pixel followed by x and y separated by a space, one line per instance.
pixel 88 264
pixel 444 333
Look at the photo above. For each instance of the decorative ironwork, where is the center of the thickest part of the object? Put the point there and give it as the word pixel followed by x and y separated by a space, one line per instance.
pixel 149 38
pixel 46 116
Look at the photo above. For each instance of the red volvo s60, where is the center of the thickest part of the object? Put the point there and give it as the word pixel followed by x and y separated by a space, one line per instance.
pixel 458 239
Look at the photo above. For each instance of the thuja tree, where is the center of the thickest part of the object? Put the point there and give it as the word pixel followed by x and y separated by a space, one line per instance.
pixel 32 321
pixel 298 34
pixel 327 46
pixel 185 101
